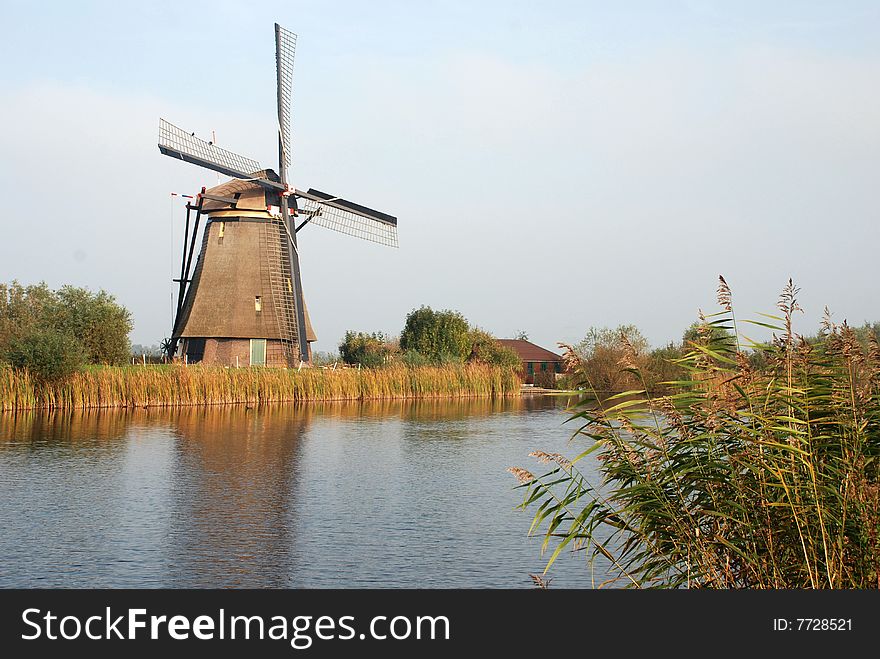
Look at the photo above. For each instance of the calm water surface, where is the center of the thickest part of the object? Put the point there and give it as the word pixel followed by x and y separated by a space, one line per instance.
pixel 390 494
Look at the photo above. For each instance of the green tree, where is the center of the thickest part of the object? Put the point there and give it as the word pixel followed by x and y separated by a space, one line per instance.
pixel 606 353
pixel 22 308
pixel 439 336
pixel 485 348
pixel 36 315
pixel 46 353
pixel 702 333
pixel 369 350
pixel 97 321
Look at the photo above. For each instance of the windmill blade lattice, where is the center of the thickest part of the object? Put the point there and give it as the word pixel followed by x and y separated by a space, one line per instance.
pixel 178 143
pixel 286 50
pixel 349 222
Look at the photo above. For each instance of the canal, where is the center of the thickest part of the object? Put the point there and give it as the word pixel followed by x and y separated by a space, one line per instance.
pixel 385 494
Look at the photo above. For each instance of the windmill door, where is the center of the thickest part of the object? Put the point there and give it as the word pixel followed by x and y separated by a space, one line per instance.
pixel 258 352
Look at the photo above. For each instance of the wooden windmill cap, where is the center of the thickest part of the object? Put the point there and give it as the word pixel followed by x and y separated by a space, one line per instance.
pixel 251 196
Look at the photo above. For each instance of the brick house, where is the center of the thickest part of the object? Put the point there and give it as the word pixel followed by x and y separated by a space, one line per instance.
pixel 535 359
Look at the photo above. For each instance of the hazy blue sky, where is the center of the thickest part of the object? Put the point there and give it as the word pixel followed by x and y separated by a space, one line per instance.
pixel 554 165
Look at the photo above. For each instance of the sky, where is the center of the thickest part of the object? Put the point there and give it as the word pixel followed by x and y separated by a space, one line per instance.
pixel 554 166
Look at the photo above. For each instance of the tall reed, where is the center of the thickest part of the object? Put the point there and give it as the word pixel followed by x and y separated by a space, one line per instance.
pixel 740 478
pixel 175 385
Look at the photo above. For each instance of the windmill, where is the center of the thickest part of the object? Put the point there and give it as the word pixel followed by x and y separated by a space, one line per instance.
pixel 243 303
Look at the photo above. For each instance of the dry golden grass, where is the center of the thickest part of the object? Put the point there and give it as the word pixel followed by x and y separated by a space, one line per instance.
pixel 172 386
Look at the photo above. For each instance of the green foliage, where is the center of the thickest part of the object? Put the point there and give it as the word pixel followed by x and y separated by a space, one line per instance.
pixel 47 354
pixel 368 350
pixel 602 354
pixel 701 333
pixel 414 359
pixel 440 336
pixel 739 478
pixel 95 322
pixel 322 358
pixel 486 349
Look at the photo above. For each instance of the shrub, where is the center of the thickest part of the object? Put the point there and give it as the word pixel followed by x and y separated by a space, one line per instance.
pixel 368 350
pixel 740 477
pixel 486 349
pixel 545 379
pixel 602 351
pixel 440 336
pixel 94 320
pixel 47 354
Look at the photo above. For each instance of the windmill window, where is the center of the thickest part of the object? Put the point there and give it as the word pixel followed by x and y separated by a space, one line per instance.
pixel 258 303
pixel 222 231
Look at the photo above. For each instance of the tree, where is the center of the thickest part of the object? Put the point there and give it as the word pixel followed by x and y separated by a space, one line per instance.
pixel 46 353
pixel 100 324
pixel 369 350
pixel 606 353
pixel 485 348
pixel 439 336
pixel 92 326
pixel 703 333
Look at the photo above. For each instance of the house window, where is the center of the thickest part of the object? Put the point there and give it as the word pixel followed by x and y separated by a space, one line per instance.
pixel 258 303
pixel 558 367
pixel 531 368
pixel 543 366
pixel 258 352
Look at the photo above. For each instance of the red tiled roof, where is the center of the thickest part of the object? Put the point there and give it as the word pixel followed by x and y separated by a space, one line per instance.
pixel 529 352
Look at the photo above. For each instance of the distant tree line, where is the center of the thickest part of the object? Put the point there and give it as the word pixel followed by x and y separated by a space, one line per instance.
pixel 54 333
pixel 428 337
pixel 621 359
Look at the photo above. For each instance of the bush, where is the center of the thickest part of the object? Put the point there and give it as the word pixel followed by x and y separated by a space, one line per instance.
pixel 94 320
pixel 414 358
pixel 97 321
pixel 486 349
pixel 606 357
pixel 368 350
pixel 545 379
pixel 440 336
pixel 47 354
pixel 737 479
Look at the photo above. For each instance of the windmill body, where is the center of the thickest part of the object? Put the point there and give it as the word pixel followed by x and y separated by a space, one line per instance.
pixel 242 304
pixel 237 307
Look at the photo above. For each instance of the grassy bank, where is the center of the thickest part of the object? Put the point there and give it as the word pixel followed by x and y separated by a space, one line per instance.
pixel 172 386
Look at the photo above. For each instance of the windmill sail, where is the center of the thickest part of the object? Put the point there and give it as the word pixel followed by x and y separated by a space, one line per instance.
pixel 348 217
pixel 285 49
pixel 177 143
pixel 285 45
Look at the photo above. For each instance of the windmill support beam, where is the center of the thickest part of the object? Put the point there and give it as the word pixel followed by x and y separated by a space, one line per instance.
pixel 304 222
pixel 183 273
pixel 186 261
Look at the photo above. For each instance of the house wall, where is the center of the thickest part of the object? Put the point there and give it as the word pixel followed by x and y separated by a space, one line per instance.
pixel 528 374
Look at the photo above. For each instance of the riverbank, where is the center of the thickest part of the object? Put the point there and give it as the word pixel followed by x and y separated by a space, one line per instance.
pixel 177 385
